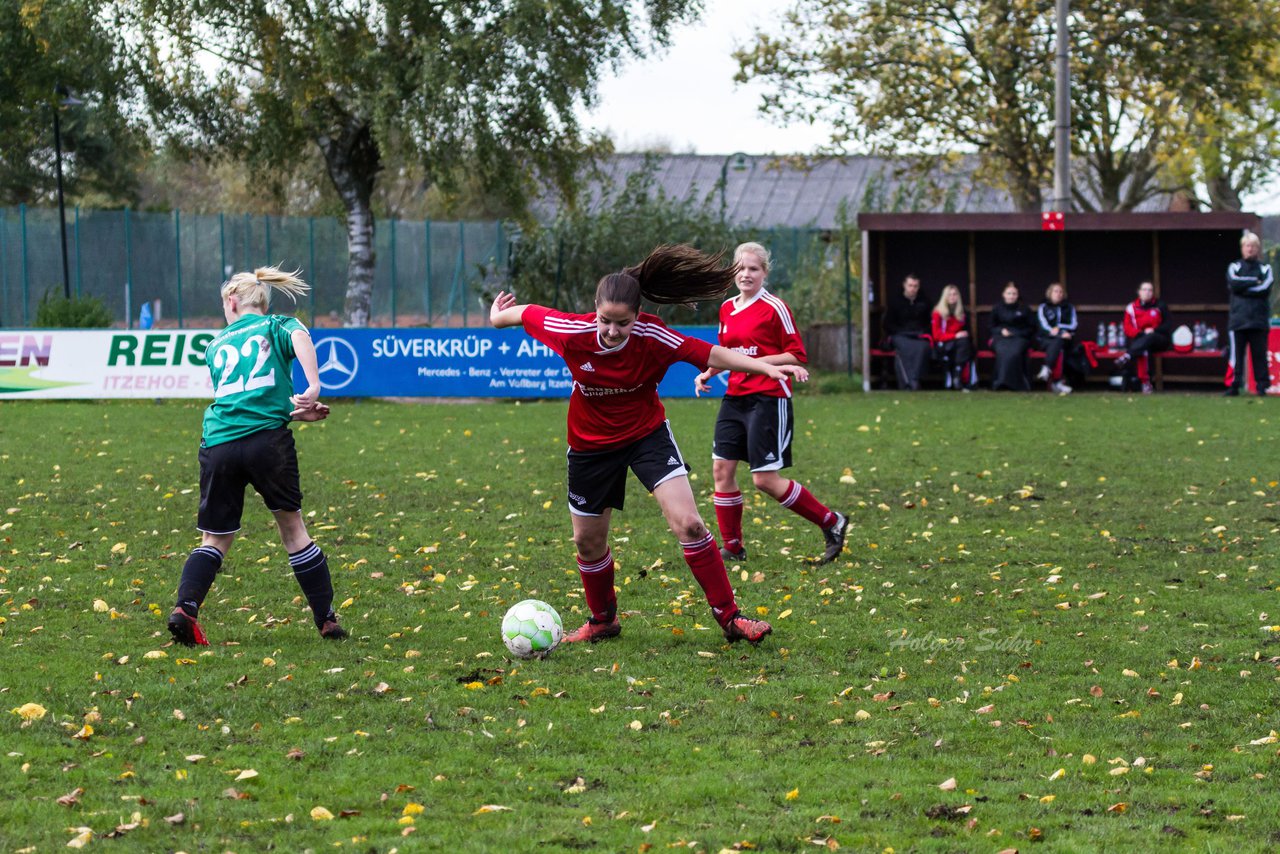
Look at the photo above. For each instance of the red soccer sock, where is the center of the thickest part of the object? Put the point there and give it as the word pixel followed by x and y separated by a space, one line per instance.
pixel 729 518
pixel 597 584
pixel 703 557
pixel 801 502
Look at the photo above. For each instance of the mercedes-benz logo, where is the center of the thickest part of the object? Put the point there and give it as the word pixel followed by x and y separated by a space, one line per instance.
pixel 338 362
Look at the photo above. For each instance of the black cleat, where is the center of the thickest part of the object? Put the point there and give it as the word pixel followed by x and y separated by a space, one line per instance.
pixel 730 555
pixel 331 630
pixel 185 629
pixel 835 538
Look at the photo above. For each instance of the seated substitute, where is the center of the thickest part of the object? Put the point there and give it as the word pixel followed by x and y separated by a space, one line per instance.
pixel 906 325
pixel 1147 329
pixel 1064 356
pixel 1011 332
pixel 952 344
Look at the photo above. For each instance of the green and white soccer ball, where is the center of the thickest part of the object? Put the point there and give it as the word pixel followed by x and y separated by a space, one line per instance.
pixel 531 629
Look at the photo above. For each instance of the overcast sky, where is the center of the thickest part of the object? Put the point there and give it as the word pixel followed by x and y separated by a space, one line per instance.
pixel 684 99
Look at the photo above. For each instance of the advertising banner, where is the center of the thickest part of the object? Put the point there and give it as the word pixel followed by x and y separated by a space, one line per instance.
pixel 353 363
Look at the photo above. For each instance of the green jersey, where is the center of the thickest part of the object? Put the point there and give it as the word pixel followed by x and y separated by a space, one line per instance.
pixel 250 364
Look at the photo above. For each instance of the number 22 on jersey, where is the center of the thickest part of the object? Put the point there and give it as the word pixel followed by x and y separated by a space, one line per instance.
pixel 226 361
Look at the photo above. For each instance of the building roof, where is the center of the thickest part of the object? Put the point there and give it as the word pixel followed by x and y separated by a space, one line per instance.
pixel 769 191
pixel 776 191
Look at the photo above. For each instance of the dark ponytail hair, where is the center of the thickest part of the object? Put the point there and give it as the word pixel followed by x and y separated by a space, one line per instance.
pixel 672 274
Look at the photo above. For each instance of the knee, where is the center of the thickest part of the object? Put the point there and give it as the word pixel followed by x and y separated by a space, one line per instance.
pixel 590 546
pixel 689 528
pixel 769 483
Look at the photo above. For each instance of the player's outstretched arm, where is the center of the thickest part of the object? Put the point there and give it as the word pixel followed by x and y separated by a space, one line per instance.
pixel 305 352
pixel 725 359
pixel 504 312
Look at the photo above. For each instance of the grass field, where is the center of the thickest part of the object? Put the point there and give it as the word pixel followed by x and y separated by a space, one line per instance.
pixel 1056 622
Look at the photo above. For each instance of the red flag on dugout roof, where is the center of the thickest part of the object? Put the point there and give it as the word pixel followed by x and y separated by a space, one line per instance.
pixel 1053 221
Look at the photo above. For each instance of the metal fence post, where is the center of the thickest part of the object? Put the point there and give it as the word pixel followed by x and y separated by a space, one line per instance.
pixel 26 283
pixel 848 307
pixel 394 278
pixel 4 267
pixel 462 266
pixel 266 227
pixel 555 301
pixel 311 271
pixel 78 266
pixel 427 240
pixel 128 275
pixel 222 245
pixel 248 237
pixel 177 251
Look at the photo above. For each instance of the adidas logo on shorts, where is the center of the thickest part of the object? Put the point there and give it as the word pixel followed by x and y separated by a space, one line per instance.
pixel 586 366
pixel 770 456
pixel 672 461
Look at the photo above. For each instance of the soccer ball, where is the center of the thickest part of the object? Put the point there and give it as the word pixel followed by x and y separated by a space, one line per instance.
pixel 531 629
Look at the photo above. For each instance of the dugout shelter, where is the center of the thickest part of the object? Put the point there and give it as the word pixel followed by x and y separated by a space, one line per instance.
pixel 1099 257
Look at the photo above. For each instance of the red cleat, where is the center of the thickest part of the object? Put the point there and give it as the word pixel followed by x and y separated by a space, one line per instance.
pixel 744 628
pixel 185 629
pixel 594 630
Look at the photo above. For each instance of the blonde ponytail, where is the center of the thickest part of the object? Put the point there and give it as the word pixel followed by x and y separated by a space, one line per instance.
pixel 254 289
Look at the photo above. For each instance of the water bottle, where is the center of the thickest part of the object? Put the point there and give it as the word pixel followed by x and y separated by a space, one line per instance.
pixel 1197 336
pixel 1212 335
pixel 1112 341
pixel 1102 334
pixel 1120 338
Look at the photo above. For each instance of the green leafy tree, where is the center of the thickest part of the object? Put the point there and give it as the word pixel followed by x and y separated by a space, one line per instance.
pixel 485 91
pixel 927 77
pixel 559 264
pixel 68 45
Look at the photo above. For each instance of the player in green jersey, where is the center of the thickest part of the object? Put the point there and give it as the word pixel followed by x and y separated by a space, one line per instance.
pixel 246 440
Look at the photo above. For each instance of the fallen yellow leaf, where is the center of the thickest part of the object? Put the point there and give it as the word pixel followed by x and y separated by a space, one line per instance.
pixel 491 808
pixel 321 814
pixel 30 711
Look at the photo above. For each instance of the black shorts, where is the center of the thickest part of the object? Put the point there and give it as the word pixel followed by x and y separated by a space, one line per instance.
pixel 755 428
pixel 598 479
pixel 267 459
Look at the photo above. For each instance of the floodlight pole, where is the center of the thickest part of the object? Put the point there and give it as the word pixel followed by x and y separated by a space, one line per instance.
pixel 64 99
pixel 1062 115
pixel 62 208
pixel 739 160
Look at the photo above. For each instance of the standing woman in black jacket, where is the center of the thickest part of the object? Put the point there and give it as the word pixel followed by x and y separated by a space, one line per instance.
pixel 1249 318
pixel 1012 329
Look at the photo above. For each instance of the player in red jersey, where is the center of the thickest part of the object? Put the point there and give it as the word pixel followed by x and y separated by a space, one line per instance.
pixel 756 414
pixel 617 355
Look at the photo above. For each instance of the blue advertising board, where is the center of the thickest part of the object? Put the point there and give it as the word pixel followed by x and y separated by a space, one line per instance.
pixel 460 363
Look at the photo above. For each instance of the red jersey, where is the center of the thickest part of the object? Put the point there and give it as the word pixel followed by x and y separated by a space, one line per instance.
pixel 762 327
pixel 945 327
pixel 1138 317
pixel 615 390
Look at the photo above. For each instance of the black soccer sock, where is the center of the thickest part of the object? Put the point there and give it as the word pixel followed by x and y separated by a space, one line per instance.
pixel 197 577
pixel 312 571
